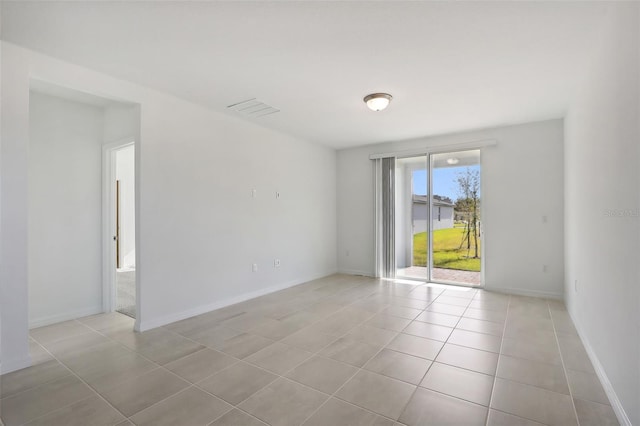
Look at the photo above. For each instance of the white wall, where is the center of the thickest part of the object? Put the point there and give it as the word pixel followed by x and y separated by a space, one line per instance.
pixel 65 149
pixel 13 202
pixel 419 217
pixel 125 173
pixel 602 217
pixel 445 214
pixel 199 229
pixel 522 183
pixel 121 122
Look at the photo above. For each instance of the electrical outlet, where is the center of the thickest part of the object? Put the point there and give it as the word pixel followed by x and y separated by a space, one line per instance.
pixel 276 263
pixel 254 267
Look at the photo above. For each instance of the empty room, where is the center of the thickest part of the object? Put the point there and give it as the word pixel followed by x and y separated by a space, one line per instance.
pixel 318 213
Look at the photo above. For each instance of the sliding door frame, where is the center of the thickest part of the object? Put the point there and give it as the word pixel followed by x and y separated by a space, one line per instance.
pixel 430 223
pixel 429 152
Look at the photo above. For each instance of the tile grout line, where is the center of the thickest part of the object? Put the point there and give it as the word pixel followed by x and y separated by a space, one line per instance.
pixel 36 386
pixel 434 358
pixel 359 369
pixel 495 376
pixel 81 380
pixel 455 327
pixel 528 385
pixel 564 368
pixel 159 366
pixel 62 408
pixel 469 347
pixel 333 395
pixel 191 385
pixel 316 353
pixel 278 376
pixel 90 328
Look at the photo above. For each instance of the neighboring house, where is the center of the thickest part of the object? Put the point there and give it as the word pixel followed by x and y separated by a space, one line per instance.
pixel 441 214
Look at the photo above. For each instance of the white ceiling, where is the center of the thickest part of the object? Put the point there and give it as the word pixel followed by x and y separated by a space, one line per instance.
pixel 451 66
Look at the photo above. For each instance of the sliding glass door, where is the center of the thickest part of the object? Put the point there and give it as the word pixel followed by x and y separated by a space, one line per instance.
pixel 456 225
pixel 438 226
pixel 411 205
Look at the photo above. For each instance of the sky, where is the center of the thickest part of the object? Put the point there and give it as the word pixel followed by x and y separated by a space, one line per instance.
pixel 444 181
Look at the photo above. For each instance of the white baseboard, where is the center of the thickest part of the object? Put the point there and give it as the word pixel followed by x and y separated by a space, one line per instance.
pixel 178 316
pixel 616 405
pixel 53 319
pixel 526 292
pixel 355 272
pixel 15 364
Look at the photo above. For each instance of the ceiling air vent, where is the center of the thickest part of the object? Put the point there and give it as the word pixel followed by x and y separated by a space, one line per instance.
pixel 252 108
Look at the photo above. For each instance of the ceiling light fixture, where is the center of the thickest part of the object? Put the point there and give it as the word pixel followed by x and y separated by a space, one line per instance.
pixel 378 101
pixel 452 161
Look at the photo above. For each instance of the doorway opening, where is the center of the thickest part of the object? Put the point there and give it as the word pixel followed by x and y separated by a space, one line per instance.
pixel 69 207
pixel 120 197
pixel 438 225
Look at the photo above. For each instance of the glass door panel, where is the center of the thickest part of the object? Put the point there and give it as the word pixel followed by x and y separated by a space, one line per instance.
pixel 455 225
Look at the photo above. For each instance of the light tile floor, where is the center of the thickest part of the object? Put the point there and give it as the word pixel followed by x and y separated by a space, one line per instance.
pixel 335 351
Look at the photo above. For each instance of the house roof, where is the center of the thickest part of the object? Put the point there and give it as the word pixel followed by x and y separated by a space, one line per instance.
pixel 422 199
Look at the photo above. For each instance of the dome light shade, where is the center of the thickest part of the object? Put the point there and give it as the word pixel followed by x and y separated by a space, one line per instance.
pixel 452 161
pixel 378 101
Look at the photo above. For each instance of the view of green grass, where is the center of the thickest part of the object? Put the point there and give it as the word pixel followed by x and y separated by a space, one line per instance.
pixel 445 250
